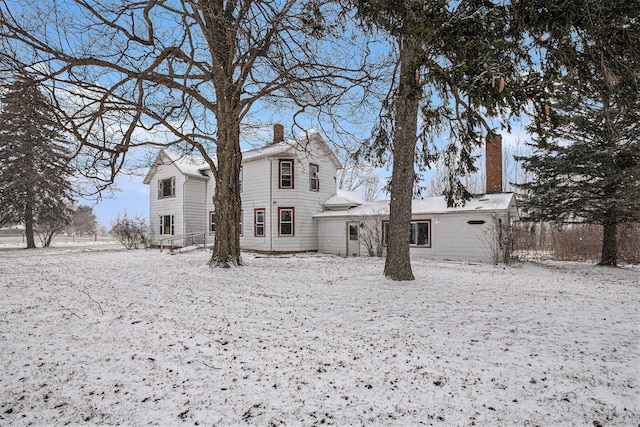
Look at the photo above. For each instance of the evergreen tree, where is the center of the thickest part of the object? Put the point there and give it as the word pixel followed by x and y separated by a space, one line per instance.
pixel 34 159
pixel 587 162
pixel 459 65
pixel 84 221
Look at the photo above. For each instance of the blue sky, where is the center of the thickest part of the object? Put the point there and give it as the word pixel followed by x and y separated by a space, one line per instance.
pixel 133 198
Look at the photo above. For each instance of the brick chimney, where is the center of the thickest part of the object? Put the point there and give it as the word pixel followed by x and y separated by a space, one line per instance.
pixel 494 164
pixel 278 133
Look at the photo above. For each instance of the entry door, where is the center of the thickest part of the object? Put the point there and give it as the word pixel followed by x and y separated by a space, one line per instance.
pixel 353 239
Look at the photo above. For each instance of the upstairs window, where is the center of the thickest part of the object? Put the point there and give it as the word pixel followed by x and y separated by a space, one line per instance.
pixel 285 221
pixel 240 179
pixel 167 188
pixel 286 174
pixel 314 180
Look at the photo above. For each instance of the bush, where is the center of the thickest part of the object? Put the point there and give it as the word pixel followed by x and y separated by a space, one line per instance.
pixel 132 232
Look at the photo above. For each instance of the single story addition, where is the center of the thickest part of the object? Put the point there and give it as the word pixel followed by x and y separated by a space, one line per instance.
pixel 473 232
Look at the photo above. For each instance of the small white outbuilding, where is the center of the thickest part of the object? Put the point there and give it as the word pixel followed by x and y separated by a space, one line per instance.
pixel 477 231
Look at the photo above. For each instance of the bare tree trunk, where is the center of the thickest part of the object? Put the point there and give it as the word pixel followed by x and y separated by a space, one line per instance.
pixel 28 224
pixel 226 200
pixel 609 244
pixel 398 263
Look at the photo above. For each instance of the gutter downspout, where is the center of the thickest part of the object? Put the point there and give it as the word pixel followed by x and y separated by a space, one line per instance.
pixel 184 209
pixel 270 203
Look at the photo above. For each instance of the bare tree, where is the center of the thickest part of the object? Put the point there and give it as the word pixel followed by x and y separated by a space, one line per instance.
pixel 131 231
pixel 371 233
pixel 51 222
pixel 361 178
pixel 475 183
pixel 181 73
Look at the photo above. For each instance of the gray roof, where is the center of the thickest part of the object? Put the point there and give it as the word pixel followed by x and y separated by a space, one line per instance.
pixel 434 205
pixel 194 165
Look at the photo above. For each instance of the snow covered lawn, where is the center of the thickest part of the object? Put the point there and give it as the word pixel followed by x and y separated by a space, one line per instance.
pixel 143 337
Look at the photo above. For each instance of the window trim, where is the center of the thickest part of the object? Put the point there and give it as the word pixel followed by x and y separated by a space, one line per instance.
pixel 215 223
pixel 385 225
pixel 280 163
pixel 293 221
pixel 255 222
pixel 172 230
pixel 212 213
pixel 161 188
pixel 316 178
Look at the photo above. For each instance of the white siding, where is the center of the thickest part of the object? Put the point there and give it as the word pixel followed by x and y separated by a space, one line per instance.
pixel 453 238
pixel 165 206
pixel 255 195
pixel 261 190
pixel 195 201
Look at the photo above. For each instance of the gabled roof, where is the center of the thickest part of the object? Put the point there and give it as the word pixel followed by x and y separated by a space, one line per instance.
pixel 290 146
pixel 194 165
pixel 434 205
pixel 187 164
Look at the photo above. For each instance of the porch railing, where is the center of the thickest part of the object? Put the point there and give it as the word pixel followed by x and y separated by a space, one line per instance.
pixel 185 238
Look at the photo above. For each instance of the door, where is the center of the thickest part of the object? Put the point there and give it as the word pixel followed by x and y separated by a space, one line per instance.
pixel 353 239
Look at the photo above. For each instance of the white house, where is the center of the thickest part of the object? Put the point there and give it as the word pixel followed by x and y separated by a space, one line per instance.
pixel 290 204
pixel 283 184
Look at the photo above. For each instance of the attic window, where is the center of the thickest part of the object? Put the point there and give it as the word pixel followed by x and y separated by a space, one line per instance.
pixel 476 222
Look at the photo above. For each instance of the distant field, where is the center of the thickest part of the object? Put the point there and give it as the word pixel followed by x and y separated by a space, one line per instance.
pixel 58 239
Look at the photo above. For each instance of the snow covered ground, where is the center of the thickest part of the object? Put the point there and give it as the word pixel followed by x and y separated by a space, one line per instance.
pixel 95 335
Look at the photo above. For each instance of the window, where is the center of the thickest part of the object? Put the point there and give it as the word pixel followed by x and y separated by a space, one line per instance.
pixel 240 223
pixel 166 225
pixel 314 180
pixel 353 232
pixel 240 180
pixel 285 221
pixel 213 219
pixel 286 174
pixel 167 187
pixel 258 219
pixel 420 233
pixel 212 222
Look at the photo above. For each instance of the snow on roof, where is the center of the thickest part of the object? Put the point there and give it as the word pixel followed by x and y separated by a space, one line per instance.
pixel 344 199
pixel 193 165
pixel 300 142
pixel 187 164
pixel 269 150
pixel 433 205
